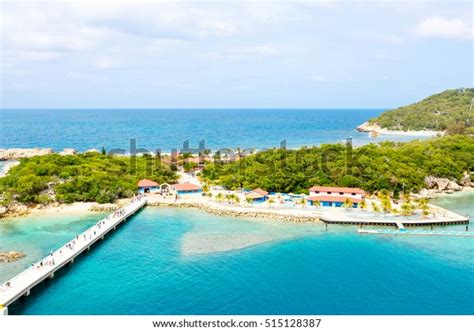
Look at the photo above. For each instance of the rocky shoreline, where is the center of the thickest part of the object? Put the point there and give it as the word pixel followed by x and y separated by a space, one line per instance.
pixel 11 256
pixel 20 153
pixel 237 211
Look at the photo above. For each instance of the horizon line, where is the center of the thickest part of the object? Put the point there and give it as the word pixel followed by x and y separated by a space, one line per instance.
pixel 200 108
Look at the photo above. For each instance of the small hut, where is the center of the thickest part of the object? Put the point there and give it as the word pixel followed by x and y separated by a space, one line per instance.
pixel 257 195
pixel 148 186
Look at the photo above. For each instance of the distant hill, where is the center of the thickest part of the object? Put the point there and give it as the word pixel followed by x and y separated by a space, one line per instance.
pixel 449 111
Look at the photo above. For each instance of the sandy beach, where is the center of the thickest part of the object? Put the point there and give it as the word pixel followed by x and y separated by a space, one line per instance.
pixel 375 128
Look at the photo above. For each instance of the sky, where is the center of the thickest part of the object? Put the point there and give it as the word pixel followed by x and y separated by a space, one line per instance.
pixel 232 54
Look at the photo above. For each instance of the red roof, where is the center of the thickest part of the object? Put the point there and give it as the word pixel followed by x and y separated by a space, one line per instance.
pixel 147 183
pixel 336 189
pixel 186 187
pixel 333 198
pixel 260 191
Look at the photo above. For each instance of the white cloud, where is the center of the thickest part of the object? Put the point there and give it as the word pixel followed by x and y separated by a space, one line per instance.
pixel 440 27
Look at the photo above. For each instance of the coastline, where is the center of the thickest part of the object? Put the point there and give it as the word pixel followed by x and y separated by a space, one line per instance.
pixel 54 209
pixel 436 194
pixel 290 215
pixel 212 207
pixel 377 129
pixel 7 166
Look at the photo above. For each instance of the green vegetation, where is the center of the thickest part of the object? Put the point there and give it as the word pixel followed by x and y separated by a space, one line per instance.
pixel 84 177
pixel 449 110
pixel 389 166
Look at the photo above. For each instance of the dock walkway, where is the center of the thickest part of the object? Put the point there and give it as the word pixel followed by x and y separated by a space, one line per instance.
pixel 345 218
pixel 22 283
pixel 417 232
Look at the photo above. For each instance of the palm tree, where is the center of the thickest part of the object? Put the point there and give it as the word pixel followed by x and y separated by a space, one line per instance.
pixel 363 204
pixel 248 199
pixel 347 203
pixel 385 201
pixel 423 205
pixel 219 196
pixel 316 203
pixel 303 202
pixel 235 198
pixel 271 201
pixel 407 208
pixel 375 207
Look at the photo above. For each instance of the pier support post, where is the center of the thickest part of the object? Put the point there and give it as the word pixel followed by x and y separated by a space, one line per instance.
pixel 467 228
pixel 27 294
pixel 51 276
pixel 3 310
pixel 326 226
pixel 72 261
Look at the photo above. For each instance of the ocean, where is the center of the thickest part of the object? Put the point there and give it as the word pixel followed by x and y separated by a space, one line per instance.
pixel 168 129
pixel 178 261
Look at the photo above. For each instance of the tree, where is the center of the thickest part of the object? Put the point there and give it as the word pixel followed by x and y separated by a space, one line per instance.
pixel 316 203
pixel 385 201
pixel 303 202
pixel 103 152
pixel 347 203
pixel 407 208
pixel 236 198
pixel 363 204
pixel 271 201
pixel 423 205
pixel 375 207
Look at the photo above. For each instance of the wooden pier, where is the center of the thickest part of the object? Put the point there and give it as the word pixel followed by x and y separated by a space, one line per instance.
pixel 398 223
pixel 417 232
pixel 21 284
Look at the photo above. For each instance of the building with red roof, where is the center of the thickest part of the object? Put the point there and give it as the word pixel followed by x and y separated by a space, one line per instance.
pixel 257 195
pixel 148 186
pixel 186 189
pixel 329 196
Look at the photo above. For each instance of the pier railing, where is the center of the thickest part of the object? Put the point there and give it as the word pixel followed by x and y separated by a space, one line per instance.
pixel 22 283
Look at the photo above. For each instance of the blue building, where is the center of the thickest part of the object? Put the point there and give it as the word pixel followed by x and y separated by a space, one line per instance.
pixel 148 186
pixel 185 189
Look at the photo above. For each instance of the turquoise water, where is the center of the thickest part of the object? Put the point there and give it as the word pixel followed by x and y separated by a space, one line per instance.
pixel 176 261
pixel 37 235
pixel 169 128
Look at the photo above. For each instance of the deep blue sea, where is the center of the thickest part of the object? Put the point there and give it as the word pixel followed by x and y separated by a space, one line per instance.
pixel 166 129
pixel 176 261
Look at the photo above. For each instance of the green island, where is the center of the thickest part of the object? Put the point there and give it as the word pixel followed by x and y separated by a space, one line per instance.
pixel 389 166
pixel 82 177
pixel 450 111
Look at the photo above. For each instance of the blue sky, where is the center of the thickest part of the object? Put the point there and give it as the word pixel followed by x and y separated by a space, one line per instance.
pixel 186 54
